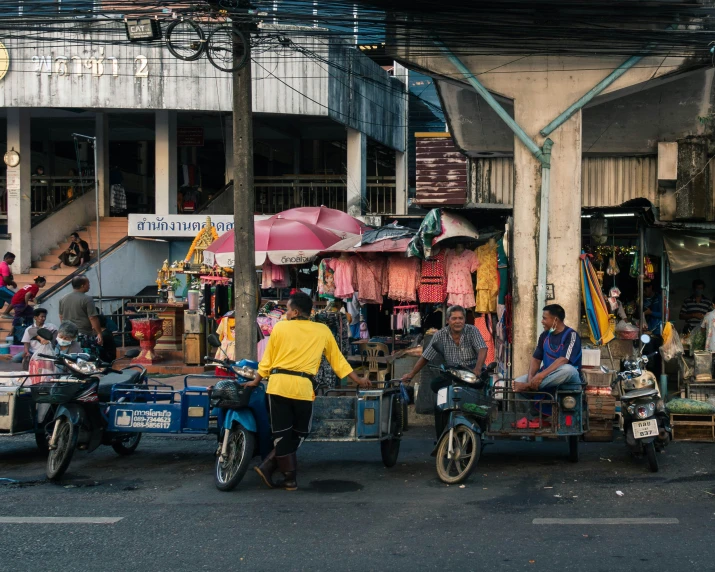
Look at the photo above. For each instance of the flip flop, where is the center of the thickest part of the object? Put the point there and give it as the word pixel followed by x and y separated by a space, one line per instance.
pixel 523 423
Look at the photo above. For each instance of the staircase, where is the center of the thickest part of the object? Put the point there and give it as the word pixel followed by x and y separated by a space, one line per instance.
pixel 111 231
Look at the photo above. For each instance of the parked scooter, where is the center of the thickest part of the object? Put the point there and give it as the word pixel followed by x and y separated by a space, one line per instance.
pixel 79 420
pixel 645 423
pixel 242 417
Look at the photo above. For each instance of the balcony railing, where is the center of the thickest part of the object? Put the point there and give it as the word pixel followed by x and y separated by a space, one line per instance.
pixel 49 194
pixel 276 194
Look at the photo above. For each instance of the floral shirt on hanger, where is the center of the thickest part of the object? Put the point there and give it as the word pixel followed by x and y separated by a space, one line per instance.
pixel 370 280
pixel 403 276
pixel 460 268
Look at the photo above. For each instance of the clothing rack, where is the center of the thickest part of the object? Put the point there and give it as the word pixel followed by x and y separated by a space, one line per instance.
pixel 410 307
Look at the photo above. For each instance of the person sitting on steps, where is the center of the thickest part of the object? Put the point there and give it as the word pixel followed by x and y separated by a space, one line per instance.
pixel 77 253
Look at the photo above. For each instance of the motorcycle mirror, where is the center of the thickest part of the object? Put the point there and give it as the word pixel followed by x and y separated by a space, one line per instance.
pixel 604 369
pixel 645 338
pixel 214 341
pixel 131 354
pixel 492 367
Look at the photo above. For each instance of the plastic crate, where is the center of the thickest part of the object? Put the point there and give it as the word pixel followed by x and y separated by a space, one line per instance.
pixel 700 391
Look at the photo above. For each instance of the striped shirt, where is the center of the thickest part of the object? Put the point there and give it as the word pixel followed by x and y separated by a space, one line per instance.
pixel 464 354
pixel 692 306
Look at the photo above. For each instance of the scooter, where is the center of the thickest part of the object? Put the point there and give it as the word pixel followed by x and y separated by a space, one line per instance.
pixel 79 420
pixel 242 418
pixel 645 423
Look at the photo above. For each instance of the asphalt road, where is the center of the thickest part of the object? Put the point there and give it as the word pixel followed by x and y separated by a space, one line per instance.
pixel 353 514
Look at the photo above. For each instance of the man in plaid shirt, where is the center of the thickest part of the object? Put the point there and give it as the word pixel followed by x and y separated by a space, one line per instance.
pixel 458 343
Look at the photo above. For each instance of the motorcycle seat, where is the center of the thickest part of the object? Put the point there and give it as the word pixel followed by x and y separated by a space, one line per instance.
pixel 129 376
pixel 636 393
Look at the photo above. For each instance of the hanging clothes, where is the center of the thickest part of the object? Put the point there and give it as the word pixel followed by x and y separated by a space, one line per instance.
pixel 326 280
pixel 344 268
pixel 487 292
pixel 370 279
pixel 226 334
pixel 433 280
pixel 221 303
pixel 485 326
pixel 503 269
pixel 274 276
pixel 338 324
pixel 403 277
pixel 460 268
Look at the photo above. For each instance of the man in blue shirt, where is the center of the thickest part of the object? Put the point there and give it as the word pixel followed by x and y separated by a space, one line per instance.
pixel 557 358
pixel 653 308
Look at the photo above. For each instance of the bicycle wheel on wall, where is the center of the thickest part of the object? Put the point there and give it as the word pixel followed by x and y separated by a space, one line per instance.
pixel 227 48
pixel 185 40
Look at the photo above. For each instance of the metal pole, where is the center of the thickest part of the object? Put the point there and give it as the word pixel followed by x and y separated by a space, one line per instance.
pixel 543 235
pixel 244 269
pixel 96 212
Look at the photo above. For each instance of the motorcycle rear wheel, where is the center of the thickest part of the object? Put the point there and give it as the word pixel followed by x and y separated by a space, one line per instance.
pixel 128 446
pixel 467 448
pixel 652 457
pixel 241 444
pixel 59 458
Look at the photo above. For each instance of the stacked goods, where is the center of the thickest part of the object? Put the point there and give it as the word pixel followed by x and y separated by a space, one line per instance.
pixel 692 420
pixel 601 406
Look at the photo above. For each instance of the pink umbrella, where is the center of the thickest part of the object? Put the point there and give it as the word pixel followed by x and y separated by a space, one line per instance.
pixel 280 240
pixel 334 220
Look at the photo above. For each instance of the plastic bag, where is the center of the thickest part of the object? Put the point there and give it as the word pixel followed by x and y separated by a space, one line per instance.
pixel 672 348
pixel 613 268
pixel 38 365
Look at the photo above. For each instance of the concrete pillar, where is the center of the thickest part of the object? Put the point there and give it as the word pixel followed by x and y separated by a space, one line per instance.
pixel 357 171
pixel 694 201
pixel 564 246
pixel 166 163
pixel 401 183
pixel 101 132
pixel 19 211
pixel 228 148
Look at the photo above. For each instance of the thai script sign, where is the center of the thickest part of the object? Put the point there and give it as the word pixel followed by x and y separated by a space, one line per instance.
pixel 178 226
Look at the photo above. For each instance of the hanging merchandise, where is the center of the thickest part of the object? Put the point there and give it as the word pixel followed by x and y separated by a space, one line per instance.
pixel 487 292
pixel 460 266
pixel 599 322
pixel 433 281
pixel 370 279
pixel 634 266
pixel 403 276
pixel 503 269
pixel 274 276
pixel 648 269
pixel 326 280
pixel 338 325
pixel 226 333
pixel 364 333
pixel 344 268
pixel 599 229
pixel 612 269
pixel 484 324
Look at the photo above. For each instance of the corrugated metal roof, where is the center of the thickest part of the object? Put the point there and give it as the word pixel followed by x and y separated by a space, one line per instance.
pixel 605 181
pixel 441 171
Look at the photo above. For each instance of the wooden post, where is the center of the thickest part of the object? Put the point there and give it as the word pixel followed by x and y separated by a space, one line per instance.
pixel 243 207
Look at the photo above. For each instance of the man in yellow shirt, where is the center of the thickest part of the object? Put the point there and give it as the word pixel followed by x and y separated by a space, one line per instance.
pixel 291 360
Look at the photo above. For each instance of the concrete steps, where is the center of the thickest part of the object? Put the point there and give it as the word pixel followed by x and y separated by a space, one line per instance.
pixel 112 230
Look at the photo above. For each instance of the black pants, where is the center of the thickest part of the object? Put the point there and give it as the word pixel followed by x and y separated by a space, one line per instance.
pixel 290 422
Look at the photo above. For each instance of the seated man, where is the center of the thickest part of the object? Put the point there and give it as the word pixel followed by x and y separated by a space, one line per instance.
pixel 557 358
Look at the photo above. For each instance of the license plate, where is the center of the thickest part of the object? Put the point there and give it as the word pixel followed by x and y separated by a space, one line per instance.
pixel 643 429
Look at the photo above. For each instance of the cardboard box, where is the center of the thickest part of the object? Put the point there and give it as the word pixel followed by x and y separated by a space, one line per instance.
pixel 619 349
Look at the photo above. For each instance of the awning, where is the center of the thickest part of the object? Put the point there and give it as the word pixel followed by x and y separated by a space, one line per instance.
pixel 689 250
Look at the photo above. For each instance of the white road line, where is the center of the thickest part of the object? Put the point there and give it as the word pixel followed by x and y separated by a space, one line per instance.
pixel 605 521
pixel 60 519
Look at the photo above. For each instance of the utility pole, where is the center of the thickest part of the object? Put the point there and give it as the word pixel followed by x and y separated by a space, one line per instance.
pixel 244 268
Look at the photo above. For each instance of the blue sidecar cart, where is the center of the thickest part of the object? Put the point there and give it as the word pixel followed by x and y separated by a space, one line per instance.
pixel 237 415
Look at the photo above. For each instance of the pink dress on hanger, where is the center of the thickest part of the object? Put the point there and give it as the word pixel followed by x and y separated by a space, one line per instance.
pixel 344 276
pixel 460 268
pixel 370 279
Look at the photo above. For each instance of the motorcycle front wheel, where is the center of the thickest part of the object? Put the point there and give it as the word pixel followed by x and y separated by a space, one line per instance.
pixel 466 450
pixel 59 458
pixel 230 470
pixel 651 457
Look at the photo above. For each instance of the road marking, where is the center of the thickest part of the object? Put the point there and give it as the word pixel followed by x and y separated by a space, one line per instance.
pixel 60 519
pixel 605 521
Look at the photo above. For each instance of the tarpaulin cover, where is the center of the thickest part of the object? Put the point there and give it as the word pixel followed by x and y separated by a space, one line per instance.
pixel 688 250
pixel 431 227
